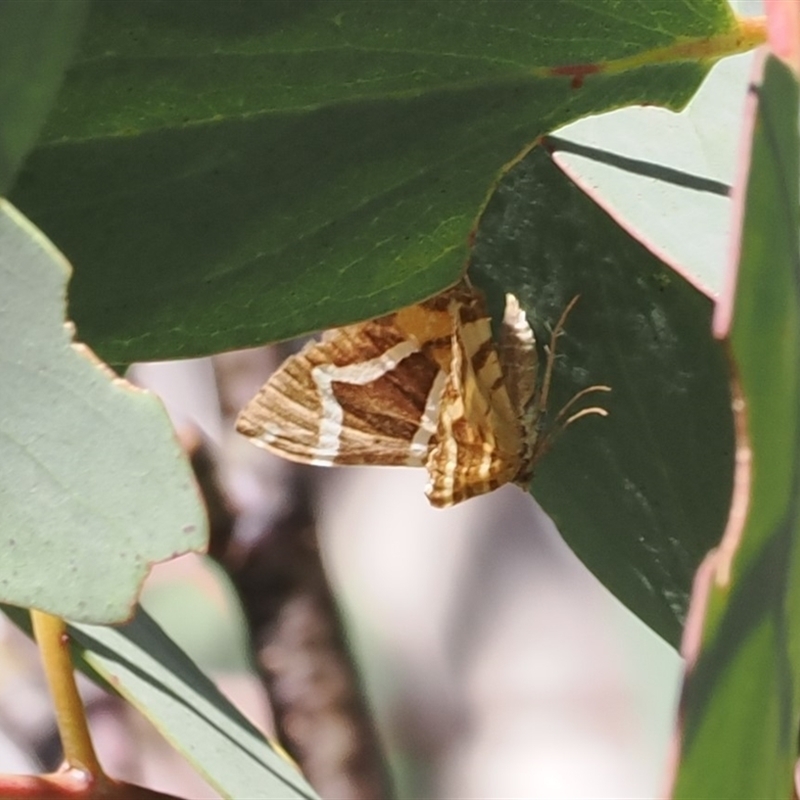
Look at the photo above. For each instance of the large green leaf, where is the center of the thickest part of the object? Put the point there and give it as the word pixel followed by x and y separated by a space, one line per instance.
pixel 37 41
pixel 643 494
pixel 154 675
pixel 93 486
pixel 741 704
pixel 224 174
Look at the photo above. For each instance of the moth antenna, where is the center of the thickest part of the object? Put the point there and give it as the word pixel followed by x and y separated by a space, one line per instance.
pixel 551 354
pixel 585 412
pixel 545 442
pixel 577 396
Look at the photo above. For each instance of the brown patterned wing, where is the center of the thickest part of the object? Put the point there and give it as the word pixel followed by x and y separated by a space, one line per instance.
pixel 364 394
pixel 478 443
pixel 519 361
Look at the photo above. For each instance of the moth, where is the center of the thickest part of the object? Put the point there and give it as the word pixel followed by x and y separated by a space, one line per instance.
pixel 424 386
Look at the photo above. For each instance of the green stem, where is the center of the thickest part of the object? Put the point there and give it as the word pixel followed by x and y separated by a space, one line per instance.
pixel 53 640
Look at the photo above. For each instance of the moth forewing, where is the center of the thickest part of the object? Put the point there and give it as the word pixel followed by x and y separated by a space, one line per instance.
pixel 276 420
pixel 363 394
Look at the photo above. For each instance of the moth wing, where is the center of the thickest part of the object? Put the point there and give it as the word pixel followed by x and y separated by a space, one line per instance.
pixel 518 357
pixel 363 394
pixel 478 440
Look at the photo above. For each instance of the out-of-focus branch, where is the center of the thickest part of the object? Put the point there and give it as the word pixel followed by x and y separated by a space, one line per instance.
pixel 321 715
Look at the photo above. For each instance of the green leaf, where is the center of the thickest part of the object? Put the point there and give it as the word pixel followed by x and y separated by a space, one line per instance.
pixel 37 41
pixel 93 486
pixel 154 675
pixel 741 705
pixel 228 174
pixel 643 494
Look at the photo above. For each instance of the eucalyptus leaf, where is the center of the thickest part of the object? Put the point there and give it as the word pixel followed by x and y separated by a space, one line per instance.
pixel 37 41
pixel 93 485
pixel 741 706
pixel 223 175
pixel 643 494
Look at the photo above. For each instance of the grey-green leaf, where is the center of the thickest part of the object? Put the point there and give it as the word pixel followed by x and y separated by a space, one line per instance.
pixel 140 662
pixel 93 485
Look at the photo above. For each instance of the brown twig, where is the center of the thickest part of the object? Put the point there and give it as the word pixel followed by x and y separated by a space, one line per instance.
pixel 300 648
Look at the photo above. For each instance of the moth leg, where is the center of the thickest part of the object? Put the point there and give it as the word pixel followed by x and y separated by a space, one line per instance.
pixel 562 423
pixel 545 441
pixel 546 436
